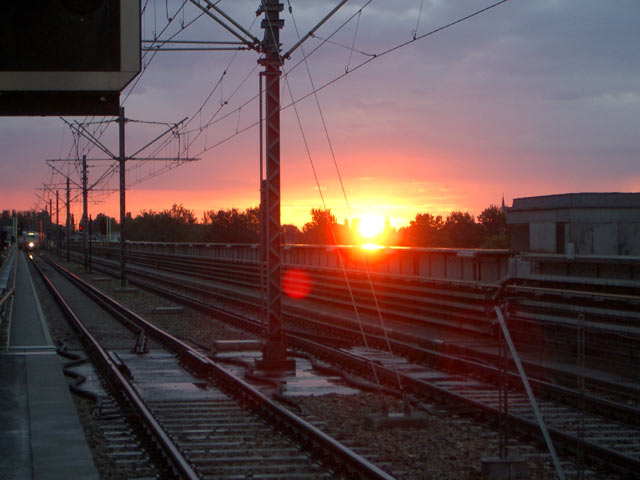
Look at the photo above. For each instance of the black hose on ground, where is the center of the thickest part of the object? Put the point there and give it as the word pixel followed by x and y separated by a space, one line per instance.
pixel 78 379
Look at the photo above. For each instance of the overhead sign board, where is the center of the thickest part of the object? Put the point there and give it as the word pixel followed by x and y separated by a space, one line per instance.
pixel 67 57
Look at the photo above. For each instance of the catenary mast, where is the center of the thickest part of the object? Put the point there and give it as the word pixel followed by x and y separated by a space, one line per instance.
pixel 274 352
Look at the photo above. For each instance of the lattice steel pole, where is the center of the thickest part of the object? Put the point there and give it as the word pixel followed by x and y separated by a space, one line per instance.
pixel 50 231
pixel 274 355
pixel 121 160
pixel 85 202
pixel 58 230
pixel 90 242
pixel 68 218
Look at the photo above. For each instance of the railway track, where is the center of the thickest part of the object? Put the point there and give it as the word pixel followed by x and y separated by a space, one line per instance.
pixel 529 325
pixel 612 318
pixel 606 433
pixel 220 427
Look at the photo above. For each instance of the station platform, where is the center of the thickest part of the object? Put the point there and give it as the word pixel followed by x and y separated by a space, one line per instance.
pixel 41 436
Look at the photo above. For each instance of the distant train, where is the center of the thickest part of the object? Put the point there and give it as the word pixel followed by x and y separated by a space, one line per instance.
pixel 28 241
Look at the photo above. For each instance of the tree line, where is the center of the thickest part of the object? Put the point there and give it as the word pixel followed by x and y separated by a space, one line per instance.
pixel 179 224
pixel 457 230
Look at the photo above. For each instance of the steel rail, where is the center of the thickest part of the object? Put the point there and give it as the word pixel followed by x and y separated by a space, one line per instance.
pixel 325 446
pixel 13 272
pixel 203 264
pixel 6 296
pixel 462 309
pixel 293 316
pixel 99 354
pixel 418 387
pixel 434 299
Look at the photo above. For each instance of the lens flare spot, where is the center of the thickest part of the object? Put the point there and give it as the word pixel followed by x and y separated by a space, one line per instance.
pixel 296 283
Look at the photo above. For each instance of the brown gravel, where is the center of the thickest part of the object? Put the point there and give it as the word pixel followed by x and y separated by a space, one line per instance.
pixel 59 327
pixel 448 448
pixel 189 325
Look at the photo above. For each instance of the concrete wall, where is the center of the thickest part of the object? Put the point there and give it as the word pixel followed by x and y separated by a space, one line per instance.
pixel 595 223
pixel 486 266
pixel 629 239
pixel 605 238
pixel 542 237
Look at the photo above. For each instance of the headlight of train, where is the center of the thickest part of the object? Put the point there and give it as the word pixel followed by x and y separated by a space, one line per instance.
pixel 31 244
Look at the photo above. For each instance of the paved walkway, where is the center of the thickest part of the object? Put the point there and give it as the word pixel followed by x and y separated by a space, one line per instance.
pixel 41 436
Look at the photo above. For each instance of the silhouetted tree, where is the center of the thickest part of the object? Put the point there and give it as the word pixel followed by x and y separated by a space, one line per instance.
pixel 292 234
pixel 462 231
pixel 494 223
pixel 177 224
pixel 99 224
pixel 232 226
pixel 318 230
pixel 424 231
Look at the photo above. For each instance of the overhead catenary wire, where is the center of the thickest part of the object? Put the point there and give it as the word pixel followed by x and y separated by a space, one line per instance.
pixel 285 74
pixel 353 42
pixel 341 260
pixel 315 90
pixel 98 131
pixel 87 149
pixel 346 199
pixel 200 109
pixel 100 126
pixel 415 32
pixel 339 77
pixel 351 49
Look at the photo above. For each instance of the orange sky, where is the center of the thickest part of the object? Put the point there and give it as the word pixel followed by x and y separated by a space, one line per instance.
pixel 531 98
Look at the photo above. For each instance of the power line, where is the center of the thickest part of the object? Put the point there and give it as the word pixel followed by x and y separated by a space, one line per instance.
pixel 373 57
pixel 214 119
pixel 341 76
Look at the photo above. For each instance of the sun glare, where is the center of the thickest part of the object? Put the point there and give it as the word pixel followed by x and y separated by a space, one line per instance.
pixel 371 226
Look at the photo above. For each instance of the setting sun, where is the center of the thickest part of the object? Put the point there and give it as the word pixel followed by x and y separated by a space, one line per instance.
pixel 371 226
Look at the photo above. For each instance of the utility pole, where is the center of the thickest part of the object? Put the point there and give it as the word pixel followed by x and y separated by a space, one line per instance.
pixel 121 159
pixel 15 229
pixel 68 218
pixel 84 211
pixel 90 242
pixel 59 240
pixel 50 230
pixel 274 354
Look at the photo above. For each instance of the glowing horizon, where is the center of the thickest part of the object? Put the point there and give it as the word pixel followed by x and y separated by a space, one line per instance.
pixel 509 102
